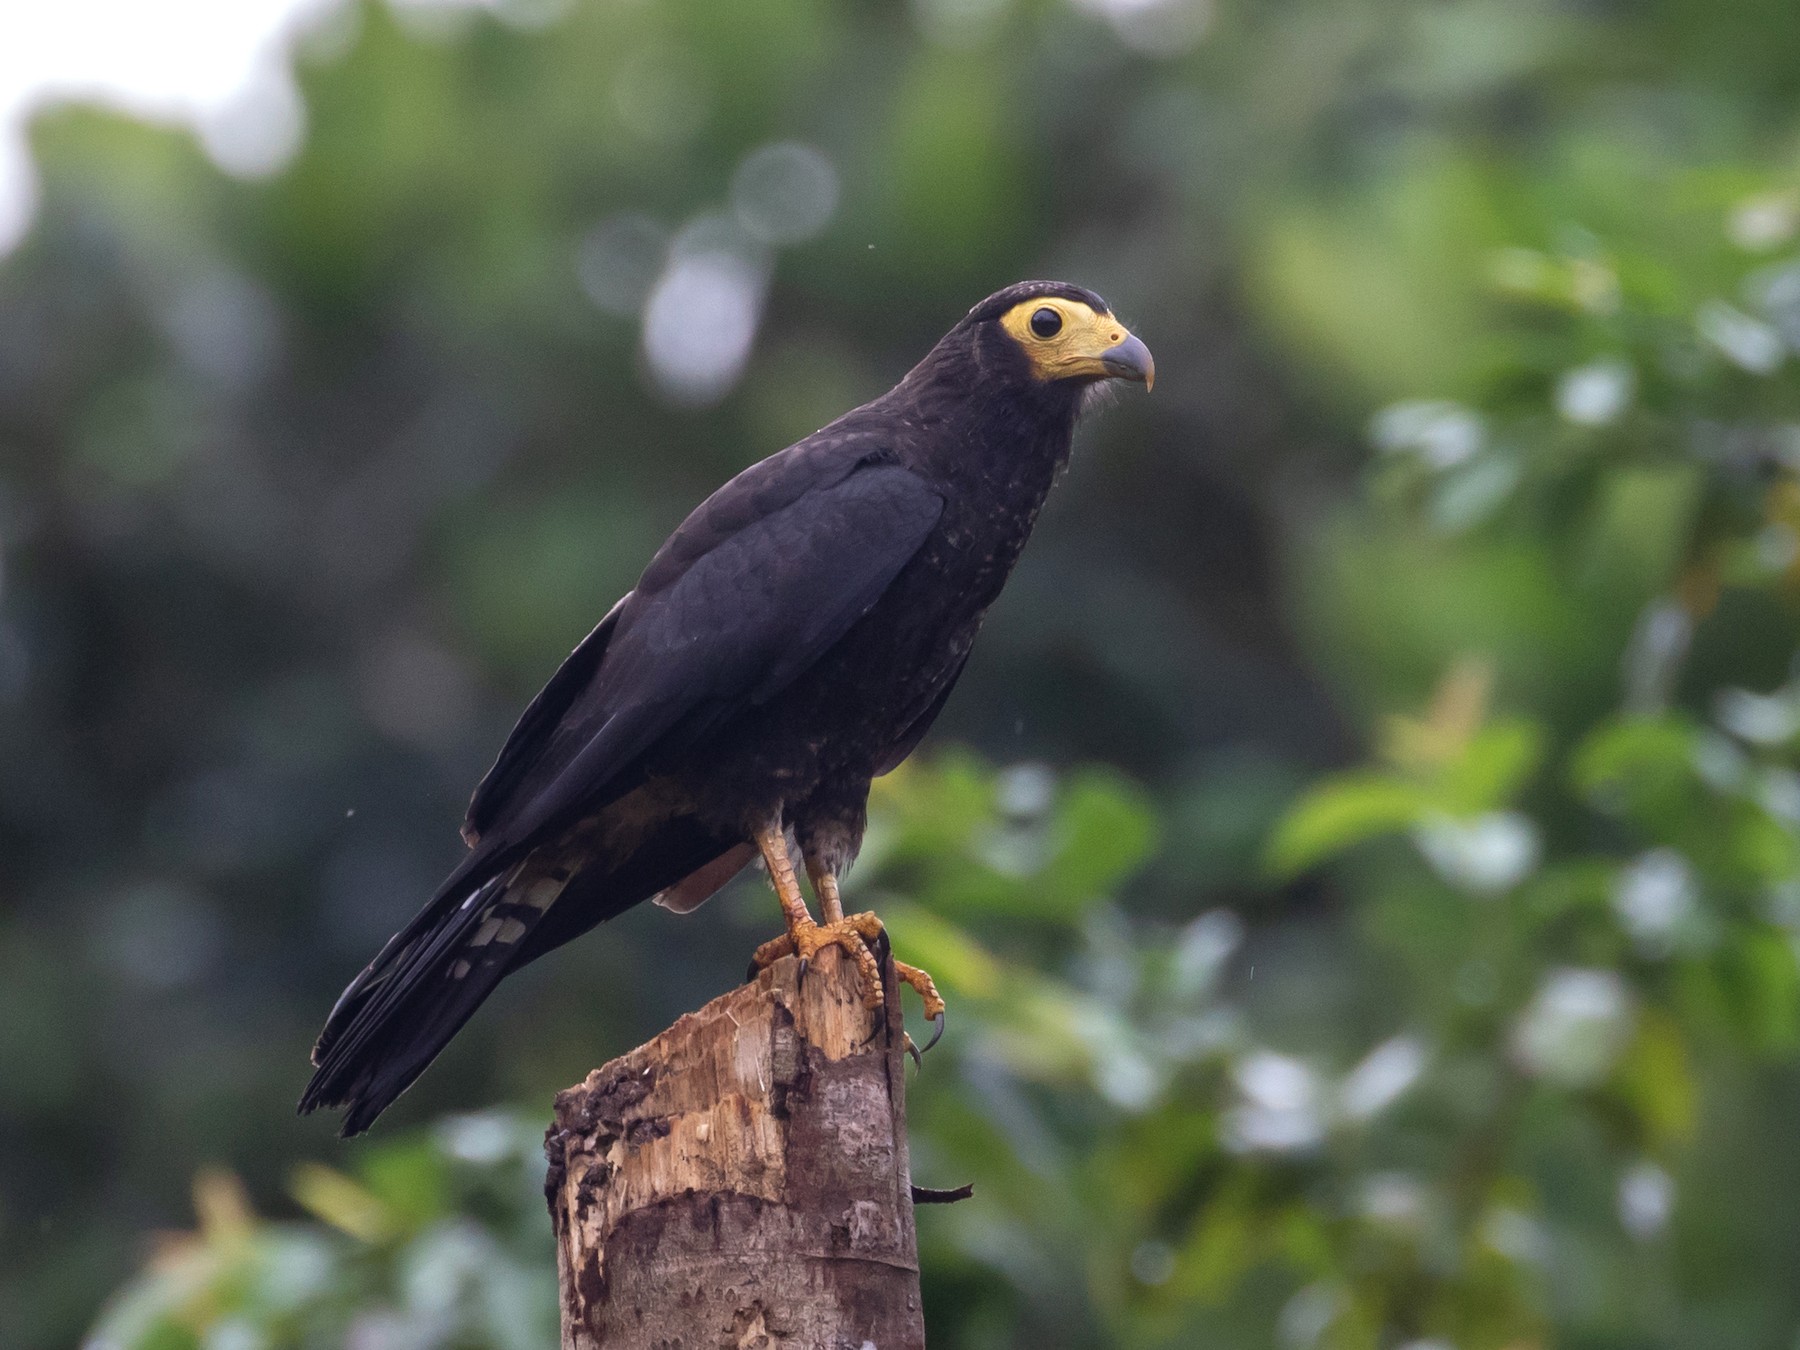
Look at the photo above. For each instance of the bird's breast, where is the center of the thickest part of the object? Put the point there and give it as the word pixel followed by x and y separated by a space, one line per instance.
pixel 865 704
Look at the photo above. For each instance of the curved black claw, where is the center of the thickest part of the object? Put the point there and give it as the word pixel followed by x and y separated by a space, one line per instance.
pixel 800 975
pixel 937 1033
pixel 913 1050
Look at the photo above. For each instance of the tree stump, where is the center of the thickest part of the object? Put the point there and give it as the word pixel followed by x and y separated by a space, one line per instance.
pixel 742 1180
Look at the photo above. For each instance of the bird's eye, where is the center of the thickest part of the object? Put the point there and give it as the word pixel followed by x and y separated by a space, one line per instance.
pixel 1046 323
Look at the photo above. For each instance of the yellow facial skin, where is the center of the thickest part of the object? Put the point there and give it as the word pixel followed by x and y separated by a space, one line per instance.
pixel 1089 344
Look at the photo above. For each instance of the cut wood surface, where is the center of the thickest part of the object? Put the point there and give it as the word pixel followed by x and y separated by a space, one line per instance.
pixel 742 1180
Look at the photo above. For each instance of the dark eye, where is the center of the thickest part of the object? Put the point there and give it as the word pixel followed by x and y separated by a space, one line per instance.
pixel 1046 323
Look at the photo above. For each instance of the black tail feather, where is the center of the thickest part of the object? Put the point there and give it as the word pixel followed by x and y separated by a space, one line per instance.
pixel 404 1008
pixel 406 1005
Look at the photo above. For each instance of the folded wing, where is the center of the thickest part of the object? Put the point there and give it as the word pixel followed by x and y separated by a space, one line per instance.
pixel 752 590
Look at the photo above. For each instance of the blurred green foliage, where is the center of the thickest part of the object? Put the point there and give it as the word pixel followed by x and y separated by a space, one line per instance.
pixel 436 1240
pixel 1419 971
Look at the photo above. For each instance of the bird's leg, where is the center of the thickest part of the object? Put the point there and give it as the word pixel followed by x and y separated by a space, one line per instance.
pixel 824 884
pixel 854 933
pixel 831 910
pixel 773 843
pixel 805 938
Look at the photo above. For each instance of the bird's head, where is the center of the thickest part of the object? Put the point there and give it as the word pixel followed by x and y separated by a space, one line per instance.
pixel 1014 375
pixel 1055 335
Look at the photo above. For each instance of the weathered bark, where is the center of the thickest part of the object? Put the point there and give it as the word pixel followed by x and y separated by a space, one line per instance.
pixel 742 1180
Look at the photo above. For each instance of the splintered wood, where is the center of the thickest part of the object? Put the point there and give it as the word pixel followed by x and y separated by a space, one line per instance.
pixel 741 1181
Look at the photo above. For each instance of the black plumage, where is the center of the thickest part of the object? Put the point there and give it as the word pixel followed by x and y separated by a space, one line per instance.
pixel 793 639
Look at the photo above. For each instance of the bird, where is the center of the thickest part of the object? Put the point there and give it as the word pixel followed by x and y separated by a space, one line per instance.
pixel 790 642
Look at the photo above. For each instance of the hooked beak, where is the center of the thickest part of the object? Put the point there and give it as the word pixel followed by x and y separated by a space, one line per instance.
pixel 1130 360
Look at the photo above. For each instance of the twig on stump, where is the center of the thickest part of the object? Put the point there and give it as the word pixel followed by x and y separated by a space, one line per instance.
pixel 742 1180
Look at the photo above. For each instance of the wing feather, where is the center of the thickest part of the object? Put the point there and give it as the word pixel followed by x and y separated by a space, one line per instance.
pixel 736 623
pixel 542 718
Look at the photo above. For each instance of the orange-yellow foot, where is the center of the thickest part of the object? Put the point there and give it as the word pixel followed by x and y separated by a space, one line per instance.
pixel 853 934
pixel 867 927
pixel 928 995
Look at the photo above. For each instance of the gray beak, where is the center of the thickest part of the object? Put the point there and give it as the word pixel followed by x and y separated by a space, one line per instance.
pixel 1130 360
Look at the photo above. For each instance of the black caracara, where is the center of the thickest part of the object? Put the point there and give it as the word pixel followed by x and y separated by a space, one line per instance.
pixel 791 641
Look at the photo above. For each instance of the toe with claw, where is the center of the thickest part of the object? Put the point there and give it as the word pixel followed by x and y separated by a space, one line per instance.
pixel 854 939
pixel 928 994
pixel 768 954
pixel 859 935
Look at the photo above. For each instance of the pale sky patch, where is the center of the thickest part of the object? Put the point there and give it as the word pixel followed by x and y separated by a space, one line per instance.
pixel 221 67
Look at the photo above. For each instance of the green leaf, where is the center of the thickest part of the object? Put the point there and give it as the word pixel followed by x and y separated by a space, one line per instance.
pixel 329 1195
pixel 1656 1075
pixel 411 1178
pixel 959 963
pixel 1227 1239
pixel 1340 812
pixel 1490 772
pixel 1105 829
pixel 1762 985
pixel 1641 768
